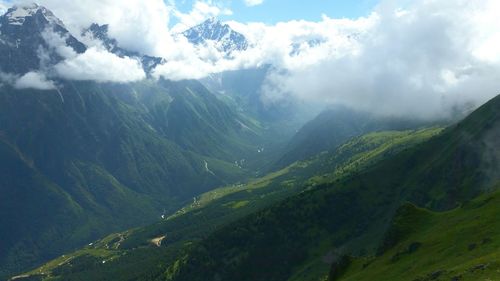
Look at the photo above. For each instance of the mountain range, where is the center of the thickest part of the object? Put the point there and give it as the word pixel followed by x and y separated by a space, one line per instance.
pixel 84 158
pixel 154 179
pixel 395 205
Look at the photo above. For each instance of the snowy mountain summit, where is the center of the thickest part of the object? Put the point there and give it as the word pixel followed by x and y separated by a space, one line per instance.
pixel 226 39
pixel 27 37
pixel 18 15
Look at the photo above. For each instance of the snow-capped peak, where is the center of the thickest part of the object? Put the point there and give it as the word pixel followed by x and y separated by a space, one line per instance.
pixel 33 37
pixel 214 30
pixel 17 15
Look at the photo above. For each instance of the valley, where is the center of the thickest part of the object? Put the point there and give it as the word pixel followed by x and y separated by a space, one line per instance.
pixel 143 142
pixel 215 209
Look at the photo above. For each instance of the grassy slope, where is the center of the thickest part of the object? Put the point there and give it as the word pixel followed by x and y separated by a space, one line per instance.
pixel 332 128
pixel 352 215
pixel 363 151
pixel 463 243
pixel 103 161
pixel 221 206
pixel 352 156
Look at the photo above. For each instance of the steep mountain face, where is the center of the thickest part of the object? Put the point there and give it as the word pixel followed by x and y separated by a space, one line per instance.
pixel 299 238
pixel 198 121
pixel 106 159
pixel 212 30
pixel 90 158
pixel 23 39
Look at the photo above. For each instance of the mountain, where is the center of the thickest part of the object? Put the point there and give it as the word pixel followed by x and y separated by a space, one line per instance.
pixel 106 156
pixel 242 89
pixel 168 167
pixel 100 32
pixel 334 126
pixel 301 237
pixel 86 158
pixel 214 209
pixel 225 39
pixel 364 214
pixel 23 32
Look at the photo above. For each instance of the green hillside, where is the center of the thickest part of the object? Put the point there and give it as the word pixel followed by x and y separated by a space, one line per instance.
pixel 254 140
pixel 136 255
pixel 92 159
pixel 333 127
pixel 348 202
pixel 298 238
pixel 461 244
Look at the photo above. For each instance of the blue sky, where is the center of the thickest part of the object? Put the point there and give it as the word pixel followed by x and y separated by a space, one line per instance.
pixel 272 11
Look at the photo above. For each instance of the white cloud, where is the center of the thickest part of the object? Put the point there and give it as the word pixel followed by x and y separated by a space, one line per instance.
pixel 101 66
pixel 138 25
pixel 251 3
pixel 421 58
pixel 269 45
pixel 34 80
pixel 3 7
pixel 201 11
pixel 196 62
pixel 58 43
pixel 96 64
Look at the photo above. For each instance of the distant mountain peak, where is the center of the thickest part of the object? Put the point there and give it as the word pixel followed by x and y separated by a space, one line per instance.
pixel 18 14
pixel 23 30
pixel 227 40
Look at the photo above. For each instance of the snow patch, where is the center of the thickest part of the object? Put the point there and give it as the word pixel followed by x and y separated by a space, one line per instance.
pixel 18 14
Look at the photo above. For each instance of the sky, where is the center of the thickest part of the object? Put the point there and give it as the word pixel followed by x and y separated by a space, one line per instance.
pixel 273 11
pixel 420 58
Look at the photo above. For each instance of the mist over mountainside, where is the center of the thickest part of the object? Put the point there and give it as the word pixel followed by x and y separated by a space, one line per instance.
pixel 100 32
pixel 134 147
pixel 83 158
pixel 336 125
pixel 330 61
